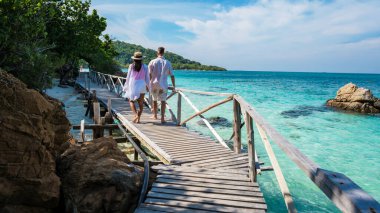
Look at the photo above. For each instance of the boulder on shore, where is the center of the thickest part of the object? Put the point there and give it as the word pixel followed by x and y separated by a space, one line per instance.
pixel 352 98
pixel 97 177
pixel 32 128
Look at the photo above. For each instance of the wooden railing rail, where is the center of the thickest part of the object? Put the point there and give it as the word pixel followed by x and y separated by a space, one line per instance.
pixel 341 190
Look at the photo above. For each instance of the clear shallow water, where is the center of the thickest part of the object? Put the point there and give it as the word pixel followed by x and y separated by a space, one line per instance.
pixel 294 104
pixel 74 107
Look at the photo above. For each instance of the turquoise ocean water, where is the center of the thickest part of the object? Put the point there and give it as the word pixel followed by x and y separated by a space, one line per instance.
pixel 293 103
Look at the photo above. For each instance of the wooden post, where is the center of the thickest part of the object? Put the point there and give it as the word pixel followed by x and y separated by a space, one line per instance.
pixel 237 127
pixel 179 106
pixel 251 148
pixel 82 130
pixel 97 132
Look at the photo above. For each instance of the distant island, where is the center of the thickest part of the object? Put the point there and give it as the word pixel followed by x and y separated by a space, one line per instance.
pixel 126 50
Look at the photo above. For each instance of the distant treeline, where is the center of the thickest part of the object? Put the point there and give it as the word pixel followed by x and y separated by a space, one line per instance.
pixel 126 50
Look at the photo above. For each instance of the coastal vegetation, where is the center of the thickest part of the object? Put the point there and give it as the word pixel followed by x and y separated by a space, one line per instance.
pixel 125 51
pixel 41 39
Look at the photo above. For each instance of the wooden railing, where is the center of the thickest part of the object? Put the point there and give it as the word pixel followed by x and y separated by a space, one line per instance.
pixel 341 190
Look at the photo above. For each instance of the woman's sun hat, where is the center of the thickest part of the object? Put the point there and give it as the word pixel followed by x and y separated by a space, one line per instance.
pixel 138 56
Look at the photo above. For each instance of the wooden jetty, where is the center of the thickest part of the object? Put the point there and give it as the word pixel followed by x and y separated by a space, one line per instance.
pixel 201 173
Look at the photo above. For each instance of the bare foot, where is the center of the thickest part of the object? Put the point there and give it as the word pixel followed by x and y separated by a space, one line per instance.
pixel 135 119
pixel 153 117
pixel 163 121
pixel 138 119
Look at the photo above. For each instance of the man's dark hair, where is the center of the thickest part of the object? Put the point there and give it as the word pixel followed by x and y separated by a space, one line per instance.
pixel 161 50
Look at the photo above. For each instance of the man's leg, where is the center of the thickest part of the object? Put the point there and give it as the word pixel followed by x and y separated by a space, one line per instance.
pixel 163 107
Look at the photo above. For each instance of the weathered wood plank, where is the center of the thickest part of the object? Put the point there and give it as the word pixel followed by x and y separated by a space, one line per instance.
pixel 199 200
pixel 232 158
pixel 160 208
pixel 196 170
pixel 200 206
pixel 201 157
pixel 206 175
pixel 209 195
pixel 209 190
pixel 209 185
pixel 242 163
pixel 205 180
pixel 196 153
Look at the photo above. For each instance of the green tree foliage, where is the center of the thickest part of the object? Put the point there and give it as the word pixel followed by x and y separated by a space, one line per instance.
pixel 39 37
pixel 126 50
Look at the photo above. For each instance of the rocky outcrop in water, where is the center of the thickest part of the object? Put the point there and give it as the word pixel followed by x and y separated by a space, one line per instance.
pixel 32 128
pixel 216 121
pixel 98 177
pixel 352 98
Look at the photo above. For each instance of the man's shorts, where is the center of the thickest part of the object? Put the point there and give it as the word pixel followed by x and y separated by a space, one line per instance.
pixel 159 95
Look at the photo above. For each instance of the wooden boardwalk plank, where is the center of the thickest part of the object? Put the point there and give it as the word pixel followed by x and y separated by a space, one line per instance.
pixel 207 175
pixel 205 180
pixel 160 208
pixel 202 184
pixel 209 195
pixel 197 170
pixel 200 206
pixel 205 189
pixel 205 200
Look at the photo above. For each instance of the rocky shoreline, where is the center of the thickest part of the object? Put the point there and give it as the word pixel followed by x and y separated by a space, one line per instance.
pixel 356 99
pixel 42 169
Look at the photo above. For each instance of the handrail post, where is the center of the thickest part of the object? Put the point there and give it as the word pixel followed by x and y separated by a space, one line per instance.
pixel 237 127
pixel 251 147
pixel 179 106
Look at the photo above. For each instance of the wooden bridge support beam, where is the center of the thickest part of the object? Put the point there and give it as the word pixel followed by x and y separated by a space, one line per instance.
pixel 179 105
pixel 237 127
pixel 251 148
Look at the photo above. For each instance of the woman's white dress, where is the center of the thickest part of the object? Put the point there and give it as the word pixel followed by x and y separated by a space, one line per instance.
pixel 136 82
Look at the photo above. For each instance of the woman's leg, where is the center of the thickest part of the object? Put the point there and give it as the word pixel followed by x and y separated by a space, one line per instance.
pixel 133 107
pixel 141 106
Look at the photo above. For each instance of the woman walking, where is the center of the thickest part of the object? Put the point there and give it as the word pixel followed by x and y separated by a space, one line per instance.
pixel 136 84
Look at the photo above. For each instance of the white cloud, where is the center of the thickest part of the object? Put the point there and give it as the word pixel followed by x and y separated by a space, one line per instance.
pixel 281 35
pixel 341 35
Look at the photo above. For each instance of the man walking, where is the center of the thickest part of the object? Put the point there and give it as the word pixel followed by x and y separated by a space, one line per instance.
pixel 159 70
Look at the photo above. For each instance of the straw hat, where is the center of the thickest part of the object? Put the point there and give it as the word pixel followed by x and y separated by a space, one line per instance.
pixel 137 56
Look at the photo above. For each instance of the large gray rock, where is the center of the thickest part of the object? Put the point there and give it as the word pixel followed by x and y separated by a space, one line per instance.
pixel 32 128
pixel 98 177
pixel 351 98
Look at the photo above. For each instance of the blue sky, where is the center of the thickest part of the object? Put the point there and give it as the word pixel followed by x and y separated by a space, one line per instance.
pixel 262 35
